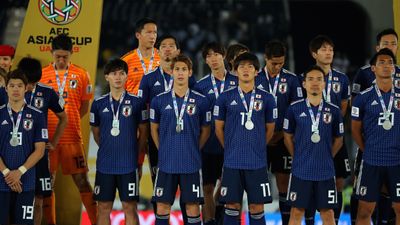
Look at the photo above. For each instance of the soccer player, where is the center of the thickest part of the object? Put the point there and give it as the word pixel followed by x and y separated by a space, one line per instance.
pixel 232 52
pixel 43 98
pixel 212 85
pixel 375 115
pixel 364 79
pixel 180 127
pixel 144 58
pixel 72 84
pixel 6 57
pixel 115 119
pixel 313 131
pixel 244 124
pixel 285 88
pixel 23 136
pixel 337 92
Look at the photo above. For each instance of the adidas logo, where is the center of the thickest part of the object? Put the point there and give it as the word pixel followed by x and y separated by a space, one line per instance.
pixel 260 86
pixel 303 114
pixel 374 102
pixel 157 84
pixel 168 107
pixel 233 102
pixel 211 91
pixel 106 110
pixel 4 122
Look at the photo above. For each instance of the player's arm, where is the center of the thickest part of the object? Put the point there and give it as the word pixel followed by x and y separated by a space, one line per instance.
pixel 62 123
pixel 84 108
pixel 204 135
pixel 270 127
pixel 14 176
pixel 289 142
pixel 5 171
pixel 336 145
pixel 356 133
pixel 143 136
pixel 155 134
pixel 343 106
pixel 219 131
pixel 96 134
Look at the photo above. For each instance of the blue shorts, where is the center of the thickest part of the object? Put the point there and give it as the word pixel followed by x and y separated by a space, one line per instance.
pixel 211 167
pixel 190 185
pixel 342 165
pixel 18 208
pixel 106 185
pixel 371 178
pixel 254 182
pixel 43 177
pixel 279 158
pixel 306 194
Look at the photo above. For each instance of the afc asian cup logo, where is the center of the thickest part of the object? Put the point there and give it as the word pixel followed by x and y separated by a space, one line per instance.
pixel 60 12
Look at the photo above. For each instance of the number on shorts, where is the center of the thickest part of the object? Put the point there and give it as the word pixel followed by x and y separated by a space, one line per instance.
pixel 331 197
pixel 398 189
pixel 131 189
pixel 347 164
pixel 266 189
pixel 80 162
pixel 46 184
pixel 27 212
pixel 196 189
pixel 287 160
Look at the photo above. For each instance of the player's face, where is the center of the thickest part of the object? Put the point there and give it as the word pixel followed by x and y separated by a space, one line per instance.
pixel 324 55
pixel 168 49
pixel 61 58
pixel 181 73
pixel 5 62
pixel 117 79
pixel 314 82
pixel 148 35
pixel 275 64
pixel 384 66
pixel 16 90
pixel 388 41
pixel 246 71
pixel 214 60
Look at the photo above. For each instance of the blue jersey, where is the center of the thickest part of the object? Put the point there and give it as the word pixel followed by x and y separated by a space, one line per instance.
pixel 157 82
pixel 365 78
pixel 3 96
pixel 118 154
pixel 245 149
pixel 339 89
pixel 382 147
pixel 313 161
pixel 32 129
pixel 205 87
pixel 287 90
pixel 179 153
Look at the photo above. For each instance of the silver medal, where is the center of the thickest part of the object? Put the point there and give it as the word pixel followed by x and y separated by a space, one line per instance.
pixel 61 102
pixel 387 125
pixel 14 141
pixel 315 138
pixel 178 128
pixel 114 131
pixel 249 125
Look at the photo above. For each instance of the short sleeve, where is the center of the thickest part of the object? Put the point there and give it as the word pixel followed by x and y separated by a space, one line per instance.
pixel 219 110
pixel 296 91
pixel 338 127
pixel 289 122
pixel 144 113
pixel 53 102
pixel 357 111
pixel 41 132
pixel 346 88
pixel 87 90
pixel 205 116
pixel 271 112
pixel 154 110
pixel 94 115
pixel 143 91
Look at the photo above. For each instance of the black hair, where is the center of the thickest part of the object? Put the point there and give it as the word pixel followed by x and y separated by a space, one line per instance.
pixel 182 58
pixel 15 75
pixel 275 49
pixel 115 65
pixel 139 25
pixel 384 51
pixel 247 56
pixel 233 51
pixel 317 42
pixel 312 68
pixel 384 33
pixel 32 69
pixel 62 42
pixel 216 47
pixel 167 36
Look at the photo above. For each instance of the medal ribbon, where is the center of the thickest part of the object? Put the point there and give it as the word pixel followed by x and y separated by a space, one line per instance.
pixel 15 125
pixel 167 86
pixel 251 106
pixel 179 118
pixel 146 70
pixel 327 93
pixel 386 111
pixel 314 120
pixel 116 115
pixel 61 87
pixel 215 88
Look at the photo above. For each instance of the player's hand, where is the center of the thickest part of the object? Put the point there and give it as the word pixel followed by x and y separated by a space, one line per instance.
pixel 17 187
pixel 50 146
pixel 13 177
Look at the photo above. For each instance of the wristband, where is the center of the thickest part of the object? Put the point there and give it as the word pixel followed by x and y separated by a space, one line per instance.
pixel 22 169
pixel 5 171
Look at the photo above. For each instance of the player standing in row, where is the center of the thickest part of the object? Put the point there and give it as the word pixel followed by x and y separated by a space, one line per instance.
pixel 72 84
pixel 180 127
pixel 337 92
pixel 375 128
pixel 244 124
pixel 364 79
pixel 232 52
pixel 313 130
pixel 144 58
pixel 23 136
pixel 43 98
pixel 212 85
pixel 285 88
pixel 116 119
pixel 6 57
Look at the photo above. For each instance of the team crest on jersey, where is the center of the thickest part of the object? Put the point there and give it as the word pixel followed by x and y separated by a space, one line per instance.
pixel 363 191
pixel 127 101
pixel 28 124
pixel 293 196
pixel 191 109
pixel 397 103
pixel 159 191
pixel 327 117
pixel 191 100
pixel 73 84
pixel 127 110
pixel 232 83
pixel 39 93
pixel 282 88
pixel 397 74
pixel 397 83
pixel 283 79
pixel 38 102
pixel 335 78
pixel 28 115
pixel 336 87
pixel 258 104
pixel 224 190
